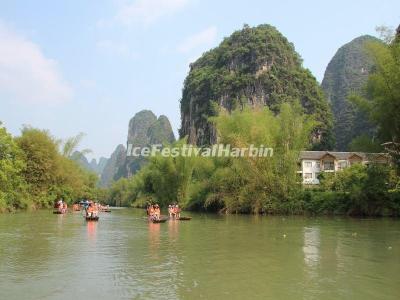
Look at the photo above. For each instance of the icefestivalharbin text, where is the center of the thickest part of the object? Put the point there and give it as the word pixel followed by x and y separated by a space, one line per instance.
pixel 219 150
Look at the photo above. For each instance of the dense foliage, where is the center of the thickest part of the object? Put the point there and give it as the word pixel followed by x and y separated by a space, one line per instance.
pixel 245 184
pixel 358 190
pixel 13 188
pixel 257 67
pixel 263 184
pixel 34 172
pixel 347 73
pixel 382 94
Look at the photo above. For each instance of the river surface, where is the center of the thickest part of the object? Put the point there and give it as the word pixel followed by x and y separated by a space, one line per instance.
pixel 46 256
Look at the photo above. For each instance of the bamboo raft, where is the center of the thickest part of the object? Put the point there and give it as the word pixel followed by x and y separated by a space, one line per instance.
pixel 159 221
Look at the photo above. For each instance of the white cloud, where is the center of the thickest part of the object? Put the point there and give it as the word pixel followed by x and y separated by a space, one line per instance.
pixel 148 11
pixel 201 39
pixel 26 74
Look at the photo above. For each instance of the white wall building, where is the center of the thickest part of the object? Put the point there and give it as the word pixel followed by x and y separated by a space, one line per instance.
pixel 312 163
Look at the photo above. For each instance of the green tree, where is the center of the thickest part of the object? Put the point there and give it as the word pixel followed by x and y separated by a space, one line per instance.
pixel 364 190
pixel 49 173
pixel 261 184
pixel 364 143
pixel 382 100
pixel 234 184
pixel 70 145
pixel 13 188
pixel 40 153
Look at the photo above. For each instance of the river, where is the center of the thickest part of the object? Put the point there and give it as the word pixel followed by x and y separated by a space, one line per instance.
pixel 46 256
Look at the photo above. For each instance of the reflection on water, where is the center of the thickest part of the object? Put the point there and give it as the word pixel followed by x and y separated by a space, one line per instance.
pixel 311 246
pixel 154 239
pixel 123 256
pixel 173 230
pixel 91 230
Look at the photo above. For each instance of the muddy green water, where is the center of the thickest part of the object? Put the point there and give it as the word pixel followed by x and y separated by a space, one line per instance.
pixel 46 256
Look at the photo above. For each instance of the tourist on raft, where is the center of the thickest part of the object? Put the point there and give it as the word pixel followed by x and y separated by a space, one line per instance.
pixel 92 210
pixel 174 211
pixel 154 212
pixel 65 207
pixel 177 211
pixel 61 206
pixel 157 212
pixel 76 207
pixel 170 211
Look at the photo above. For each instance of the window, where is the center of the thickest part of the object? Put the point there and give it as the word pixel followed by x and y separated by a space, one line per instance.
pixel 329 166
pixel 307 175
pixel 342 165
pixel 317 175
pixel 308 164
pixel 318 165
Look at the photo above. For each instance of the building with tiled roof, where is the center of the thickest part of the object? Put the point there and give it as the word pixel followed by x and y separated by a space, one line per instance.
pixel 312 163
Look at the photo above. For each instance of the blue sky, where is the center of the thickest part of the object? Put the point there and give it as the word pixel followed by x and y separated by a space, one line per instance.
pixel 89 66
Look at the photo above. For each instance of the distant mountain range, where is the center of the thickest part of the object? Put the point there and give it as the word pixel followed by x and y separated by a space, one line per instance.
pixel 93 165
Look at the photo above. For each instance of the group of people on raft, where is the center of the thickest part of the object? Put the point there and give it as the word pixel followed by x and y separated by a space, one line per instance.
pixel 174 211
pixel 154 212
pixel 96 205
pixel 91 208
pixel 61 206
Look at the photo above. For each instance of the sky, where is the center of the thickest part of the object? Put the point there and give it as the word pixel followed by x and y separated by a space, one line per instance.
pixel 88 66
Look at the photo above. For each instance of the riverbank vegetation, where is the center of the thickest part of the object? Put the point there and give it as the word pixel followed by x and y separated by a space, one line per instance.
pixel 34 172
pixel 270 185
pixel 245 184
pixel 358 190
pixel 260 185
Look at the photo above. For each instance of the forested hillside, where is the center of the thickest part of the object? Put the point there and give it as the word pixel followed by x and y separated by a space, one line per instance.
pixel 346 74
pixel 257 67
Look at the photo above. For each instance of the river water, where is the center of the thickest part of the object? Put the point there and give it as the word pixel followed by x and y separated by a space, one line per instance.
pixel 46 256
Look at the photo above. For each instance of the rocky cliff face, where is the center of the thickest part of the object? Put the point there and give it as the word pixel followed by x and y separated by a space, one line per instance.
pixel 347 73
pixel 117 159
pixel 254 66
pixel 139 127
pixel 98 167
pixel 101 164
pixel 145 129
pixel 160 132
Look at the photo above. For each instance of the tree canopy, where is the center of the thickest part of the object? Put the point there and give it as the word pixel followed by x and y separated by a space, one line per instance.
pixel 34 172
